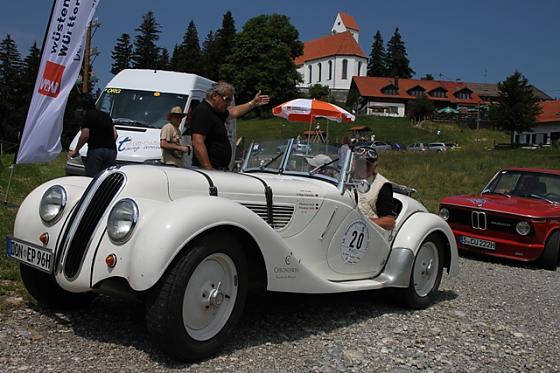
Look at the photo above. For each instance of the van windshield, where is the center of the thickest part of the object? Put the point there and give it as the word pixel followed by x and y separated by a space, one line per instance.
pixel 139 108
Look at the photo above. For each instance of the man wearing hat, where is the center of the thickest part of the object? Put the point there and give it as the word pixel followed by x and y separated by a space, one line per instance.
pixel 377 204
pixel 172 151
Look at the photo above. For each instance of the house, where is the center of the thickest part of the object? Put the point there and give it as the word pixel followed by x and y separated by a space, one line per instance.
pixel 547 128
pixel 333 60
pixel 383 96
pixel 489 92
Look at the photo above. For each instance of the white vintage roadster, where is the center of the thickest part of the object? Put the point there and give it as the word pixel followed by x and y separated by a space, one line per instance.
pixel 191 243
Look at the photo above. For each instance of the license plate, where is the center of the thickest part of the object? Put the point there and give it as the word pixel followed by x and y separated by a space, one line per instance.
pixel 32 255
pixel 477 242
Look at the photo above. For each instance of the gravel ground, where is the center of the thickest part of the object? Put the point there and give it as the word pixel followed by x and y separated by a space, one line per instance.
pixel 494 317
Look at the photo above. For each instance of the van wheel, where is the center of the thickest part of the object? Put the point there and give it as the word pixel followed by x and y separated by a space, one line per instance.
pixel 199 299
pixel 43 287
pixel 549 257
pixel 426 274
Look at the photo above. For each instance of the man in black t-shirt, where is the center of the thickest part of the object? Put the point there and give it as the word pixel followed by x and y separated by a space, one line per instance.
pixel 99 132
pixel 212 149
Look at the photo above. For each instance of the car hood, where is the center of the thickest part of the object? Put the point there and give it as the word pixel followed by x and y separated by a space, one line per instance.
pixel 507 204
pixel 243 187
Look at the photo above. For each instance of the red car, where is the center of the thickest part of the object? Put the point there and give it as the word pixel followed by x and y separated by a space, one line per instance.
pixel 516 216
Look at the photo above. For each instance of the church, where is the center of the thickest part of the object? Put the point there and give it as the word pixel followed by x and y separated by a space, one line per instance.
pixel 333 60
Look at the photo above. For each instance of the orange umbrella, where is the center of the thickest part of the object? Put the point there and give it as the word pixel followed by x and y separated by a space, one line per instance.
pixel 306 110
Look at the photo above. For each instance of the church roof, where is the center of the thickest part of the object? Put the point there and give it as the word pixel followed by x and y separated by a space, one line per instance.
pixel 338 44
pixel 349 21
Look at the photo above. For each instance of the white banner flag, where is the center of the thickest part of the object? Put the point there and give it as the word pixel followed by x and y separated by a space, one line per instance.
pixel 61 61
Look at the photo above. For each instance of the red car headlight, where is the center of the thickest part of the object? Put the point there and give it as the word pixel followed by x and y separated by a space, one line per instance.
pixel 523 228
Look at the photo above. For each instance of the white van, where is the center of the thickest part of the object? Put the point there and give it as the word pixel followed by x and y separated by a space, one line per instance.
pixel 138 101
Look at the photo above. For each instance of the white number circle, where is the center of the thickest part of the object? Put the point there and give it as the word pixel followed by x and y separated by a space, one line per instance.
pixel 355 242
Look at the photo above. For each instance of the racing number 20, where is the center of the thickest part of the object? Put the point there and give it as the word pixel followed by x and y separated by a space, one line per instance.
pixel 358 238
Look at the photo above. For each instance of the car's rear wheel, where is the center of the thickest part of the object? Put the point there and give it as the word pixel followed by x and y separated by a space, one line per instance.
pixel 426 274
pixel 550 255
pixel 43 287
pixel 200 299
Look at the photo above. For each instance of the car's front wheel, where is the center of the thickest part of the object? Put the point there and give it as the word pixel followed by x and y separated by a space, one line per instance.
pixel 200 299
pixel 426 274
pixel 551 253
pixel 45 290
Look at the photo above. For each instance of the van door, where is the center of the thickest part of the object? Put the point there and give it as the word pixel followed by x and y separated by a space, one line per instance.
pixel 185 126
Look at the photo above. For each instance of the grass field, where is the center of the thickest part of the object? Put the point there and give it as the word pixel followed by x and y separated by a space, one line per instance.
pixel 433 175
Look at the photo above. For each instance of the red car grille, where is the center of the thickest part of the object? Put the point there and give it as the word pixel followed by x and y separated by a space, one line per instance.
pixel 480 220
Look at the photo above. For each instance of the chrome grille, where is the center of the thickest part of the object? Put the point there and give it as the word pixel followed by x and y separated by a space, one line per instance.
pixel 93 205
pixel 478 220
pixel 281 214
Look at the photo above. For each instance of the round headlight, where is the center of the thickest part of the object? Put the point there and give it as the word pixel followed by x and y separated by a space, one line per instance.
pixel 444 213
pixel 122 219
pixel 52 204
pixel 523 228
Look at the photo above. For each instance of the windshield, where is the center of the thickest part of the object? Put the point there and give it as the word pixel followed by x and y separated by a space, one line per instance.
pixel 139 108
pixel 526 184
pixel 305 159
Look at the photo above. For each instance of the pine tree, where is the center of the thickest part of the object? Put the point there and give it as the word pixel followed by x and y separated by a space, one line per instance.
pixel 377 64
pixel 29 71
pixel 187 56
pixel 398 64
pixel 209 59
pixel 218 46
pixel 163 62
pixel 517 106
pixel 146 52
pixel 10 89
pixel 122 54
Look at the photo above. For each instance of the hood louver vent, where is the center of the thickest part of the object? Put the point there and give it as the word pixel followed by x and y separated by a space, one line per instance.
pixel 281 214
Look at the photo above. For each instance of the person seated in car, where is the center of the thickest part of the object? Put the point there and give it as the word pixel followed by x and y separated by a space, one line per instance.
pixel 377 204
pixel 317 162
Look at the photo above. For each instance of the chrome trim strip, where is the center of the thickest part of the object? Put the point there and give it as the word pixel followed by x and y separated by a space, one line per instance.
pixel 92 188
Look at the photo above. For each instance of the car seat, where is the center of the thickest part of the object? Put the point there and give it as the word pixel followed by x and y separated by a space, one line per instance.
pixel 540 188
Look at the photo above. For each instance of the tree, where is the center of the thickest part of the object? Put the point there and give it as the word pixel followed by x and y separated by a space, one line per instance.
pixel 163 61
pixel 421 108
pixel 209 58
pixel 263 59
pixel 428 77
pixel 320 92
pixel 146 52
pixel 218 46
pixel 377 64
pixel 187 56
pixel 10 89
pixel 517 107
pixel 122 54
pixel 398 64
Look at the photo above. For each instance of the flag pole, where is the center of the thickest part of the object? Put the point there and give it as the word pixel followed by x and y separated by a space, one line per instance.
pixel 13 167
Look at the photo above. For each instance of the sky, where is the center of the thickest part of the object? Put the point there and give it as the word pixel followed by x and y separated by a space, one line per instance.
pixel 481 41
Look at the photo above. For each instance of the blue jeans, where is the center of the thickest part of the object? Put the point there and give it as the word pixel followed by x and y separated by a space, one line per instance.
pixel 99 159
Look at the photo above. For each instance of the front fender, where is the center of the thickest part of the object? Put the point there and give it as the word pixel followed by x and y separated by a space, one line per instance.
pixel 419 226
pixel 173 225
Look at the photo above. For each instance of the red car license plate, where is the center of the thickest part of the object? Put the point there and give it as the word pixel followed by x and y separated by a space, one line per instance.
pixel 477 242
